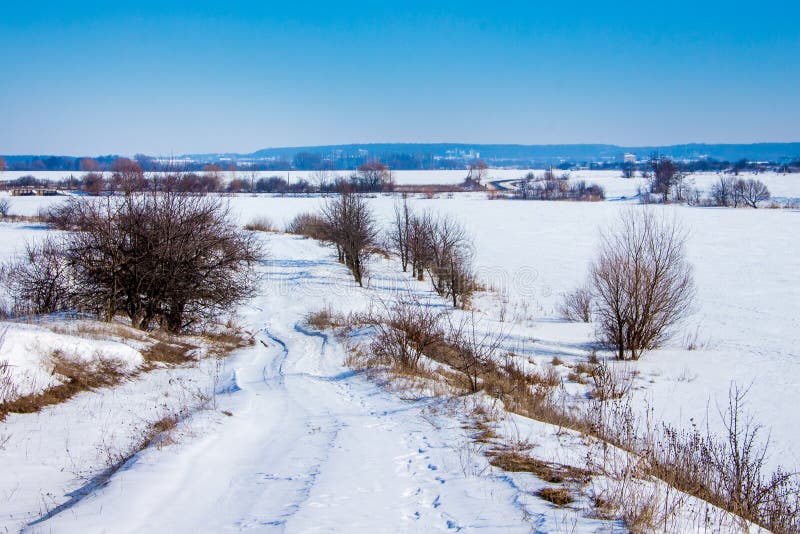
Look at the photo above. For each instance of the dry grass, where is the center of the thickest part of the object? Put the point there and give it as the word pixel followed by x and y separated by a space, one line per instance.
pixel 560 496
pixel 512 460
pixel 172 353
pixel 610 382
pixel 730 475
pixel 260 224
pixel 76 376
pixel 326 319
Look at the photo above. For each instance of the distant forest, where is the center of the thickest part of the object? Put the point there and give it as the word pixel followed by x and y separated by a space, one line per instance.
pixel 408 156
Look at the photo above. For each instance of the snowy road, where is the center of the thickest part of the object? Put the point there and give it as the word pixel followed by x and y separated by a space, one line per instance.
pixel 309 447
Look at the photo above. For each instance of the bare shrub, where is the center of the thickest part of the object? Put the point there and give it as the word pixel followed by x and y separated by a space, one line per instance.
pixel 610 382
pixel 260 224
pixel 450 263
pixel 309 225
pixel 41 281
pixel 325 319
pixel 63 216
pixel 477 351
pixel 406 330
pixel 352 229
pixel 5 207
pixel 641 282
pixel 160 257
pixel 576 305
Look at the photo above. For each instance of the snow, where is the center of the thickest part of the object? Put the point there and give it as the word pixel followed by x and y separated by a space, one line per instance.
pixel 28 349
pixel 311 446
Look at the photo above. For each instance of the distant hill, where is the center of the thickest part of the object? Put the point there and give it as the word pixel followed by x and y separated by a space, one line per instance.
pixel 434 156
pixel 555 153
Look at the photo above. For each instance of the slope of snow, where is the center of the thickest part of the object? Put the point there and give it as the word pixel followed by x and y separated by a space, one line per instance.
pixel 28 349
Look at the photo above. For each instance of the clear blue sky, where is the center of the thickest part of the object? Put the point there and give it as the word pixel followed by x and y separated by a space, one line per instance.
pixel 88 77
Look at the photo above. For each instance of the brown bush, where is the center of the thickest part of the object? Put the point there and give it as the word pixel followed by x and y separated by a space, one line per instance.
pixel 642 283
pixel 353 230
pixel 576 305
pixel 309 225
pixel 160 257
pixel 406 330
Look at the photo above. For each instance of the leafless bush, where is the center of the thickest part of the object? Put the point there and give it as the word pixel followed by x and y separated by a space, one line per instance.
pixel 62 216
pixel 641 283
pixel 450 264
pixel 476 352
pixel 577 305
pixel 260 224
pixel 162 257
pixel 41 281
pixel 5 207
pixel 610 382
pixel 309 225
pixel 352 229
pixel 406 330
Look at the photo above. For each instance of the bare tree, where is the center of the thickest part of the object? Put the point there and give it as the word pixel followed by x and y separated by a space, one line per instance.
pixel 93 183
pixel 665 174
pixel 322 179
pixel 5 207
pixel 450 264
pixel 2 164
pixel 722 192
pixel 752 192
pixel 642 283
pixel 127 176
pixel 419 243
pixel 374 176
pixel 353 229
pixel 398 236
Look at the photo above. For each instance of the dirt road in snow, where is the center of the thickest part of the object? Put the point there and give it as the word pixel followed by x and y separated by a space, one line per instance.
pixel 309 447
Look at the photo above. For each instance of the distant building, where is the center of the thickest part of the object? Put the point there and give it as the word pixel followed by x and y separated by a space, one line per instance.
pixel 629 158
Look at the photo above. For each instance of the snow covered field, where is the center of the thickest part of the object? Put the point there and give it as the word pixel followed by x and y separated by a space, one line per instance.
pixel 310 446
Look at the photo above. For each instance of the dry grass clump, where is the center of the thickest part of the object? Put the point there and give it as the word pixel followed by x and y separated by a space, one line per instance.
pixel 326 319
pixel 260 224
pixel 610 382
pixel 512 460
pixel 76 376
pixel 172 353
pixel 560 496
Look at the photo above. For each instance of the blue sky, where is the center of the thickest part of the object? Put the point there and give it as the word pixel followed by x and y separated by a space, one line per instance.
pixel 195 76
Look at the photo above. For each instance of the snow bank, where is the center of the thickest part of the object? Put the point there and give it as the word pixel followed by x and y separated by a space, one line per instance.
pixel 27 350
